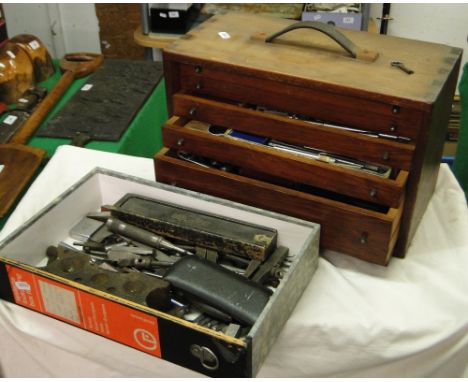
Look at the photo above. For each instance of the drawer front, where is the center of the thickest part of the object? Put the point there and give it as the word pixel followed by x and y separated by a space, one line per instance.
pixel 315 102
pixel 359 232
pixel 295 132
pixel 290 167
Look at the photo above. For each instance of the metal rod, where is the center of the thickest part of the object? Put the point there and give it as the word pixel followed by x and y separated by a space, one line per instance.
pixel 385 18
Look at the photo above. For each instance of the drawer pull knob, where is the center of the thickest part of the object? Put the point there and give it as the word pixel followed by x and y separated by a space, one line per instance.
pixel 198 69
pixel 395 109
pixel 393 128
pixel 373 192
pixel 193 111
pixel 199 86
pixel 363 238
pixel 180 142
pixel 386 155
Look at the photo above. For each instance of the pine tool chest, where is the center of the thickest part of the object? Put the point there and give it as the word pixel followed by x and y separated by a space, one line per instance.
pixel 343 128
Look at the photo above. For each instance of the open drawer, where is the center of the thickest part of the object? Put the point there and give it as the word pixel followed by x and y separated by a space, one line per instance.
pixel 194 137
pixel 296 132
pixel 361 232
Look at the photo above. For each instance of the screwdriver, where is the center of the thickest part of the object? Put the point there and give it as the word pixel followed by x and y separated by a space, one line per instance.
pixel 142 236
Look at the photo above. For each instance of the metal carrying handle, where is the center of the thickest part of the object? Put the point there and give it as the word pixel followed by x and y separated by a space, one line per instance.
pixel 334 34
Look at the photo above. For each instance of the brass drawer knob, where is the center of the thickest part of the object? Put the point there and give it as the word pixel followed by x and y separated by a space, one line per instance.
pixel 395 109
pixel 198 69
pixel 363 238
pixel 193 111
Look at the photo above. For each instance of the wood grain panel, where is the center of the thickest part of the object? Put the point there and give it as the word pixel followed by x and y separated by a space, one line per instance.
pixel 264 159
pixel 426 163
pixel 374 150
pixel 117 23
pixel 310 56
pixel 352 230
pixel 309 101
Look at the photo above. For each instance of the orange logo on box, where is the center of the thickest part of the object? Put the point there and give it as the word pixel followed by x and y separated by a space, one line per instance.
pixel 85 310
pixel 145 339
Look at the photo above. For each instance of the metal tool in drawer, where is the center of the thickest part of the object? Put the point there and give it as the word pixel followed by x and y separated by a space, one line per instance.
pixel 396 138
pixel 321 156
pixel 392 137
pixel 304 151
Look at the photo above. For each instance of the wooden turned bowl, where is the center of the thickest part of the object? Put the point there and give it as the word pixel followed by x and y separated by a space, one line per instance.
pixel 16 72
pixel 38 54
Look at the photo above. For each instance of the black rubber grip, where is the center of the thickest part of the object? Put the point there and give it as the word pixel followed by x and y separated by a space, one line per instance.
pixel 227 291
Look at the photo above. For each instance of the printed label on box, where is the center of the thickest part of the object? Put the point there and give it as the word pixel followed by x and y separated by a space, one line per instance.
pixel 59 302
pixel 10 120
pixel 87 87
pixel 96 314
pixel 22 285
pixel 174 14
pixel 224 35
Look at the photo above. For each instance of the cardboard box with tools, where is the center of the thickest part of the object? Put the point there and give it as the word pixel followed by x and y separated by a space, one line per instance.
pixel 40 269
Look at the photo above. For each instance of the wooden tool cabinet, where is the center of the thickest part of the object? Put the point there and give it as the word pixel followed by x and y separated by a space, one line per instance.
pixel 218 70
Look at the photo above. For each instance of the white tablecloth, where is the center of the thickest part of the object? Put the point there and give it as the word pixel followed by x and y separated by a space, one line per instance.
pixel 354 319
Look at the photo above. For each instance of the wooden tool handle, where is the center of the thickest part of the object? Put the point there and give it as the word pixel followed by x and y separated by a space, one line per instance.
pixel 21 162
pixel 36 118
pixel 81 63
pixel 334 34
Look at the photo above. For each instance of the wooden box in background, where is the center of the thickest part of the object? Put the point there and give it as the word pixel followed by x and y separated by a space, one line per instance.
pixel 216 72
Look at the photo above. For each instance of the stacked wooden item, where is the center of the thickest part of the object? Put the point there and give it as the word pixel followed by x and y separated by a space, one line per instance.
pixel 344 128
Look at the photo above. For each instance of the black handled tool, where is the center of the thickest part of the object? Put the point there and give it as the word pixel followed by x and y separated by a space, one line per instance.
pixel 235 295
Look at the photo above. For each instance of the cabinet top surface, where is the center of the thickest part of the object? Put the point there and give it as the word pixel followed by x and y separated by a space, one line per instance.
pixel 309 56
